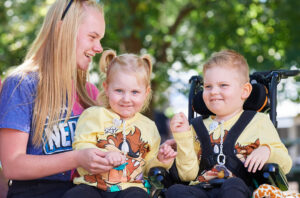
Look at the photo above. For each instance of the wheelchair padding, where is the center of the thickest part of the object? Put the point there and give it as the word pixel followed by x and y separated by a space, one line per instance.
pixel 257 101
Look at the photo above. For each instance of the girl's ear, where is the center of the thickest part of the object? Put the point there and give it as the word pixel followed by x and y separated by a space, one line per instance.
pixel 105 86
pixel 148 91
pixel 247 88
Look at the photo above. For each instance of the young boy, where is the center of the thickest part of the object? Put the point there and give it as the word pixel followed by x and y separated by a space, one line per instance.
pixel 218 161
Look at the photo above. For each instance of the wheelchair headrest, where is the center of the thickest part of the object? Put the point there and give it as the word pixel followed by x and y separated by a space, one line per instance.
pixel 257 101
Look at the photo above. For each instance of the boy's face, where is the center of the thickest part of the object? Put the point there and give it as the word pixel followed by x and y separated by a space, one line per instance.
pixel 224 91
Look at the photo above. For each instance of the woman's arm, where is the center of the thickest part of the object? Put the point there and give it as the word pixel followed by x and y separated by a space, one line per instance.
pixel 18 165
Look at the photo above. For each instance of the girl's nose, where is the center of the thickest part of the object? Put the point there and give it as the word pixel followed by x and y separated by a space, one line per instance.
pixel 125 97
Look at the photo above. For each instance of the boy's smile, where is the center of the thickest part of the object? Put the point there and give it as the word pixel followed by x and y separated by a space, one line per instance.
pixel 224 93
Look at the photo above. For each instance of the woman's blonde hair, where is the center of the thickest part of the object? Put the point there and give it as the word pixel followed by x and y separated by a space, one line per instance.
pixel 53 56
pixel 229 58
pixel 140 66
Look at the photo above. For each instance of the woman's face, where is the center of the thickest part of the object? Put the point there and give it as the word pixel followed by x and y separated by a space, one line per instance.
pixel 90 32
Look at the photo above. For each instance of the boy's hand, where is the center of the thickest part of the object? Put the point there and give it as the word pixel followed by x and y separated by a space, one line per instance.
pixel 179 123
pixel 115 158
pixel 166 154
pixel 257 159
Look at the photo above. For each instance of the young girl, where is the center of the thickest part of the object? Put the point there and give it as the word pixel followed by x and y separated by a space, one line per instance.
pixel 130 139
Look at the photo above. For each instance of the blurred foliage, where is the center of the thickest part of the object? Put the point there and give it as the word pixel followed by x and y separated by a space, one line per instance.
pixel 185 32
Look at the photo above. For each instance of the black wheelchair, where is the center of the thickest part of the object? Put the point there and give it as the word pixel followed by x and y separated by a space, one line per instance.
pixel 263 98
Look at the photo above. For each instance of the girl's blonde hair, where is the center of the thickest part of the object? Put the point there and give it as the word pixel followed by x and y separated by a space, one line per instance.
pixel 53 56
pixel 140 66
pixel 229 58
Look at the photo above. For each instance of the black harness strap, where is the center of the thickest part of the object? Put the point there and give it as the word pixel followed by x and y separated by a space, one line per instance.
pixel 209 158
pixel 233 163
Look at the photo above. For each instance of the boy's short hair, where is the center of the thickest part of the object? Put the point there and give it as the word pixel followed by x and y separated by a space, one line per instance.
pixel 229 58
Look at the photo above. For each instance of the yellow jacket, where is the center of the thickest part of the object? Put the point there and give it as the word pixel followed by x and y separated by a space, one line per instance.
pixel 260 131
pixel 100 128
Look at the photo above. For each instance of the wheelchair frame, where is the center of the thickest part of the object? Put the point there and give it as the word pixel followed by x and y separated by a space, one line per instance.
pixel 271 173
pixel 269 79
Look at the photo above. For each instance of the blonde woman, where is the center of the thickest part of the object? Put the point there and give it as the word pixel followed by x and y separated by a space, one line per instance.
pixel 42 99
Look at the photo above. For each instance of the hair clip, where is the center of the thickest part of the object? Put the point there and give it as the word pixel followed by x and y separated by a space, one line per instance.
pixel 66 10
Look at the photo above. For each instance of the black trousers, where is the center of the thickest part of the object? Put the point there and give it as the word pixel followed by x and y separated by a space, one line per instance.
pixel 83 190
pixel 38 189
pixel 233 187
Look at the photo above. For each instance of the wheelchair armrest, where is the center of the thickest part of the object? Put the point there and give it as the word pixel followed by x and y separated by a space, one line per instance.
pixel 272 174
pixel 160 180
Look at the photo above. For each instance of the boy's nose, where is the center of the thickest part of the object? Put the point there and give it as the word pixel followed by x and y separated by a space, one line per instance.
pixel 214 90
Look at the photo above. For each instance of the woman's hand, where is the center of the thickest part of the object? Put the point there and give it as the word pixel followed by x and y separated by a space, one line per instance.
pixel 93 160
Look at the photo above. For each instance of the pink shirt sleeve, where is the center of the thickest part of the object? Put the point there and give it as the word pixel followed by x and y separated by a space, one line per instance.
pixel 93 93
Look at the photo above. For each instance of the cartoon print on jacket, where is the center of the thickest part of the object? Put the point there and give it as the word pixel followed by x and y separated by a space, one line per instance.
pixel 217 171
pixel 135 159
pixel 220 172
pixel 243 151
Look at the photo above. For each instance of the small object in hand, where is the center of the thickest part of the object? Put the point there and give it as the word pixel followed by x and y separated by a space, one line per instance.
pixel 221 174
pixel 121 167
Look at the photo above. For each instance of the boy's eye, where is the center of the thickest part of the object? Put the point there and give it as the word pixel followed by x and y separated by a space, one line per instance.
pixel 135 92
pixel 119 90
pixel 207 86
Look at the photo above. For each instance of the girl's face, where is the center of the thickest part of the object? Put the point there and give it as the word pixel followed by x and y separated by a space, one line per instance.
pixel 126 94
pixel 224 92
pixel 90 32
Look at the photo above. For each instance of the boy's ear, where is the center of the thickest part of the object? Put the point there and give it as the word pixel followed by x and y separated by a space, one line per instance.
pixel 247 88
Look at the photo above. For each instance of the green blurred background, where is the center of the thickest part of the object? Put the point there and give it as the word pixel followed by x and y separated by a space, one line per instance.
pixel 184 32
pixel 179 34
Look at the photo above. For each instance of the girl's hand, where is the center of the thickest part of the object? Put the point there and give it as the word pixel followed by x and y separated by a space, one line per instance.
pixel 166 154
pixel 257 159
pixel 179 123
pixel 115 158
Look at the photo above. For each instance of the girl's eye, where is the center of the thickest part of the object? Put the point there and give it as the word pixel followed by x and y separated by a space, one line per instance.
pixel 135 92
pixel 119 90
